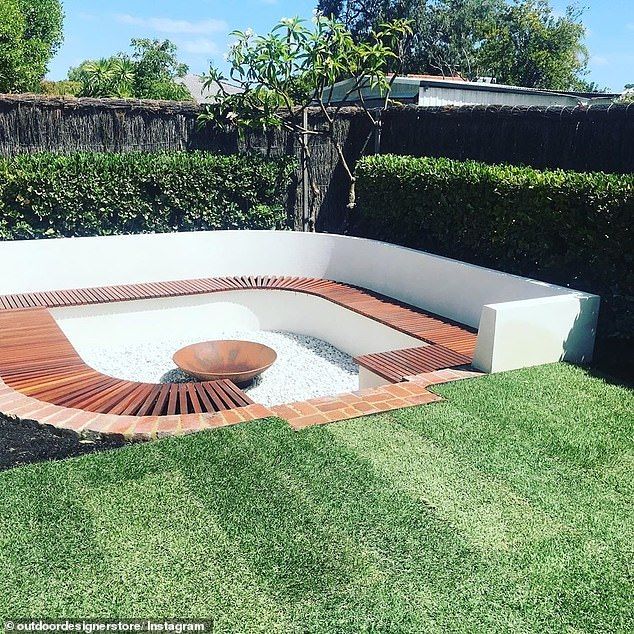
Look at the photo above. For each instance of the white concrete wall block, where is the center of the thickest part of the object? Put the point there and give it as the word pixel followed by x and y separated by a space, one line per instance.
pixel 369 379
pixel 532 332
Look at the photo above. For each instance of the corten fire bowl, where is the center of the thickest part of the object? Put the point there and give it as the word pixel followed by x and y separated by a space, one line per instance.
pixel 238 361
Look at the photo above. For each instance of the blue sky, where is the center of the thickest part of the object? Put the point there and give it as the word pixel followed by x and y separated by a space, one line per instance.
pixel 200 28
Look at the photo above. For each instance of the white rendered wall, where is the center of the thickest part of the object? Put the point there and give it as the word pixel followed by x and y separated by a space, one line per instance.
pixel 447 287
pixel 536 331
pixel 368 379
pixel 149 320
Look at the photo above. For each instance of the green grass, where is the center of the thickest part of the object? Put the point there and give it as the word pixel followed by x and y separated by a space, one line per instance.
pixel 507 508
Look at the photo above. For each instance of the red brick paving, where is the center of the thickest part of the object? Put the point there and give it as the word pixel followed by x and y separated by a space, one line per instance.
pixel 370 401
pixel 302 414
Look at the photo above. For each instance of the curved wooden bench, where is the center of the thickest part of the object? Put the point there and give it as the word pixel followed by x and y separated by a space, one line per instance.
pixel 37 359
pixel 391 312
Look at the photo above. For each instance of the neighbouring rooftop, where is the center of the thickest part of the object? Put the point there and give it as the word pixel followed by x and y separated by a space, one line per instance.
pixel 431 90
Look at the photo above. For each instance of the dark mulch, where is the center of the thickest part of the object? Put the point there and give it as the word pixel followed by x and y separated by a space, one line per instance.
pixel 26 441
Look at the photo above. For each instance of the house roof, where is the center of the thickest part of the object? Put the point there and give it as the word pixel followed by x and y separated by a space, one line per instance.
pixel 194 83
pixel 408 85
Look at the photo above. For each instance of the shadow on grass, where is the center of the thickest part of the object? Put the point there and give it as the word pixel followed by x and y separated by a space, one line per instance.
pixel 618 377
pixel 335 543
pixel 321 529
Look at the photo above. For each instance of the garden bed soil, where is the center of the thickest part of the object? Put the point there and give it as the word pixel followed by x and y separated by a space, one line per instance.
pixel 25 441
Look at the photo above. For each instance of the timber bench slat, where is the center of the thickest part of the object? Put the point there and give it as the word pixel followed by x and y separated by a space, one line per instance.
pixel 161 400
pixel 396 365
pixel 146 406
pixel 204 399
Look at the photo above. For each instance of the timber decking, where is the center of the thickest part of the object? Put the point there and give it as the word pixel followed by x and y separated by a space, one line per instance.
pixel 42 376
pixel 37 360
pixel 397 365
pixel 393 313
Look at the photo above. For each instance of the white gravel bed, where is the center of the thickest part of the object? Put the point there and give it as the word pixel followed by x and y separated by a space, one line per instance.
pixel 306 367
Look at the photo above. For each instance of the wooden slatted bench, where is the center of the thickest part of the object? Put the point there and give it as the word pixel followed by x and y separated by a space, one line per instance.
pixel 37 360
pixel 386 310
pixel 396 365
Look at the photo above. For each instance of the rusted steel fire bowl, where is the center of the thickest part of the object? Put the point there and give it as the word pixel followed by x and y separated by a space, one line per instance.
pixel 238 361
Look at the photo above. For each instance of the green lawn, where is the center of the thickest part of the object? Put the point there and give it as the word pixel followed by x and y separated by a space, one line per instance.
pixel 507 508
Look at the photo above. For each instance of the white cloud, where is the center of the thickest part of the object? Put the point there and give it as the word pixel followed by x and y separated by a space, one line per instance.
pixel 169 25
pixel 630 26
pixel 598 60
pixel 200 46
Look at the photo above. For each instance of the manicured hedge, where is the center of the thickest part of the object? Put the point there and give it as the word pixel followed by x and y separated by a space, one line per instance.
pixel 88 194
pixel 569 228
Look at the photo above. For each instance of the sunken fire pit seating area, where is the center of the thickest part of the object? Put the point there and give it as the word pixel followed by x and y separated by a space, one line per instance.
pixel 410 320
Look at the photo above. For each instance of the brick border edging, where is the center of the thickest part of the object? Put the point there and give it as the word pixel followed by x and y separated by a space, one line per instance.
pixel 132 428
pixel 330 409
pixel 299 415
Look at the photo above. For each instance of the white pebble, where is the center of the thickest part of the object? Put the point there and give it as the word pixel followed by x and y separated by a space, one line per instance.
pixel 306 367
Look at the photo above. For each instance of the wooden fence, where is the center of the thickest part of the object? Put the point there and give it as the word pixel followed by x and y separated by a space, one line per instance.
pixel 582 139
